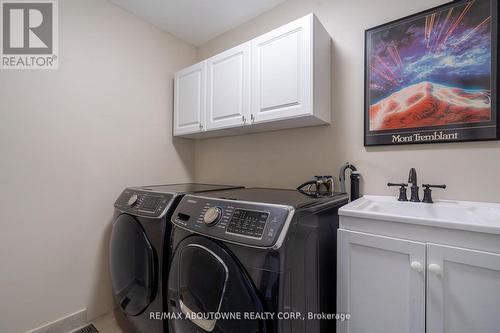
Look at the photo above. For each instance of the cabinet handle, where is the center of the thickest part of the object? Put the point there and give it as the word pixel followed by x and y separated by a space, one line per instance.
pixel 417 266
pixel 243 119
pixel 252 117
pixel 434 268
pixel 201 126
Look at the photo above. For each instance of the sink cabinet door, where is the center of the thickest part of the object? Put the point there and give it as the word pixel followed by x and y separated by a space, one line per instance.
pixel 377 285
pixel 463 290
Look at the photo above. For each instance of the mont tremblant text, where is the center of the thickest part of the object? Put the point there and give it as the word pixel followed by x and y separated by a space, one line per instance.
pixel 418 137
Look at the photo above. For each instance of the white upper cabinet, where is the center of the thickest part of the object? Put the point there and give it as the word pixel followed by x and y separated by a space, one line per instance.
pixel 189 99
pixel 282 72
pixel 278 80
pixel 228 88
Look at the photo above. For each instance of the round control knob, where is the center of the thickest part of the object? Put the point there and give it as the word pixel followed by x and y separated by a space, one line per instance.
pixel 212 215
pixel 133 200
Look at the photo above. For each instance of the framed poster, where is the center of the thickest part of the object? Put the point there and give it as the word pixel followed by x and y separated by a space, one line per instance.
pixel 432 76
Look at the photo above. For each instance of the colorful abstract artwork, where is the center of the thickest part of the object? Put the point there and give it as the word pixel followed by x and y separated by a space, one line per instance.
pixel 431 77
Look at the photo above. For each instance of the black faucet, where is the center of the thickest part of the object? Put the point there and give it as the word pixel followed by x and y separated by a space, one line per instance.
pixel 428 192
pixel 402 191
pixel 412 179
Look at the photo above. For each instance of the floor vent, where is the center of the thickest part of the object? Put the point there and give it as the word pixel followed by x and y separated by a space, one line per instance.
pixel 87 329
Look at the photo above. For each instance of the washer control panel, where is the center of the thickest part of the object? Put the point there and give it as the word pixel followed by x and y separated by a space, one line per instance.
pixel 143 203
pixel 248 222
pixel 235 221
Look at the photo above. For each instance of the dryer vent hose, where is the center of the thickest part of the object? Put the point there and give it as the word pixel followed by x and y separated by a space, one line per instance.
pixel 355 177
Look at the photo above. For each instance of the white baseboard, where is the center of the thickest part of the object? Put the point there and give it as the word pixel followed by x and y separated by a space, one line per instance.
pixel 64 324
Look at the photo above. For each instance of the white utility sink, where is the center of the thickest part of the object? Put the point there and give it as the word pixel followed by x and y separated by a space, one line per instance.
pixel 463 215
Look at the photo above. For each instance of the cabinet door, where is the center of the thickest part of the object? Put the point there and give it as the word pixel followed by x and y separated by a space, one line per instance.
pixel 282 72
pixel 228 88
pixel 463 290
pixel 381 283
pixel 189 97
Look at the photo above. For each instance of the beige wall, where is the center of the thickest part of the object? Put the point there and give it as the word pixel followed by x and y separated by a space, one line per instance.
pixel 285 158
pixel 70 141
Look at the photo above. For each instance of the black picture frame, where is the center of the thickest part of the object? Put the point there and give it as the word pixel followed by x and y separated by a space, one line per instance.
pixel 487 130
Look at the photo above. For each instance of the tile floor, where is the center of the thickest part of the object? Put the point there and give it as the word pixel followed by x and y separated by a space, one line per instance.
pixel 107 324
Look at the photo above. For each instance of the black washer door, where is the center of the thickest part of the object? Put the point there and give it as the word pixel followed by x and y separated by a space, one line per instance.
pixel 133 265
pixel 205 278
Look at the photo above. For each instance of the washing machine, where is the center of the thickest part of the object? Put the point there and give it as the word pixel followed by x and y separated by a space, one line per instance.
pixel 253 260
pixel 139 252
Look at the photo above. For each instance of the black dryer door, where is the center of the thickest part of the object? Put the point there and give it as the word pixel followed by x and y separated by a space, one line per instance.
pixel 133 265
pixel 205 279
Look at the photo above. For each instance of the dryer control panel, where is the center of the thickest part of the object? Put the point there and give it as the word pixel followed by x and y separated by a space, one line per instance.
pixel 143 203
pixel 246 223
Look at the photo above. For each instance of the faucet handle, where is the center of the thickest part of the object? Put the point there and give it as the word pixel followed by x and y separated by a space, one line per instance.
pixel 402 190
pixel 435 186
pixel 397 184
pixel 428 192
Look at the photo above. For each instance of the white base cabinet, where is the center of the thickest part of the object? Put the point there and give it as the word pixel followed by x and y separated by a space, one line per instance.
pixel 463 290
pixel 397 285
pixel 377 285
pixel 278 80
